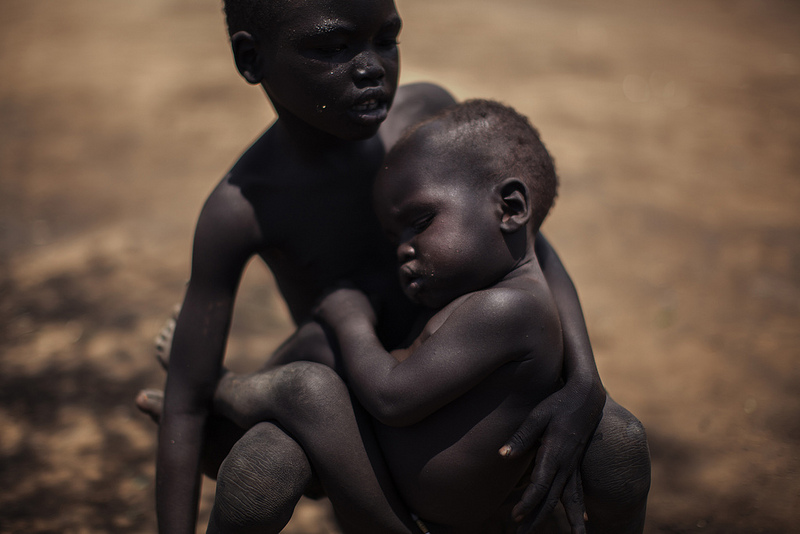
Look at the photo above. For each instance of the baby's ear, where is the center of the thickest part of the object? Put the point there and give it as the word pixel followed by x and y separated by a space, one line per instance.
pixel 247 57
pixel 515 203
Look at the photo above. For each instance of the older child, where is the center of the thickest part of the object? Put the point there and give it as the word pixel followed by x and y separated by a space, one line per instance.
pixel 462 197
pixel 299 199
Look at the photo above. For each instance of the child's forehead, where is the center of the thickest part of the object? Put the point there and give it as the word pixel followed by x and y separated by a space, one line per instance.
pixel 327 15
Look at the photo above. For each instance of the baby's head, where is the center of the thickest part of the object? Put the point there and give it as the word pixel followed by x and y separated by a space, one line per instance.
pixel 328 66
pixel 463 194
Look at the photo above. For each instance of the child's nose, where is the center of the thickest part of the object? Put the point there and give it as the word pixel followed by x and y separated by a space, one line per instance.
pixel 369 67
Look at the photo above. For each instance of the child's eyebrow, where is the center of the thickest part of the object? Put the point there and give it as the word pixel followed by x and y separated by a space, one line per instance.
pixel 332 26
pixel 394 23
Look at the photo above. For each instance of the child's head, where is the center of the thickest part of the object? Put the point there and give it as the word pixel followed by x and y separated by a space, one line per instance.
pixel 251 16
pixel 463 194
pixel 326 65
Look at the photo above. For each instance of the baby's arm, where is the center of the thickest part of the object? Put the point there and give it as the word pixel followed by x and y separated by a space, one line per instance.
pixel 222 246
pixel 481 332
pixel 565 421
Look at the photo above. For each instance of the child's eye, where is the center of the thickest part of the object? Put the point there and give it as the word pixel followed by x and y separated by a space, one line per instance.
pixel 330 50
pixel 422 223
pixel 389 42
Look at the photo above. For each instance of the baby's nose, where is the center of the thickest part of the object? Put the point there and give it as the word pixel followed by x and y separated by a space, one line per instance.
pixel 405 252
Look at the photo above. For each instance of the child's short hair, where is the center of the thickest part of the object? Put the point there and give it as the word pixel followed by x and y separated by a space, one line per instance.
pixel 247 15
pixel 509 145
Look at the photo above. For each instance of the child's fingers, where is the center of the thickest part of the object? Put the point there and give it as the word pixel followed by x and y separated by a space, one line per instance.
pixel 527 435
pixel 572 499
pixel 542 494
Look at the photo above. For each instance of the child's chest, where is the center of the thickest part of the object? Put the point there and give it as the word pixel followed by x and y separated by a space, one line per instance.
pixel 316 236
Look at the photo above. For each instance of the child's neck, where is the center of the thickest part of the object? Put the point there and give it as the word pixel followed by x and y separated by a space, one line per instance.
pixel 312 145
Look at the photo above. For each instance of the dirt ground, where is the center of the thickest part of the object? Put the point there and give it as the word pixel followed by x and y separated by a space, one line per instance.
pixel 675 126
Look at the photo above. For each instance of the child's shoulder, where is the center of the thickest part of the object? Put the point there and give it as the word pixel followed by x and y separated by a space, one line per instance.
pixel 413 103
pixel 237 209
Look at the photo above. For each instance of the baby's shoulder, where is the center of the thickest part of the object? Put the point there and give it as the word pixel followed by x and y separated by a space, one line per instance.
pixel 520 295
pixel 524 309
pixel 502 306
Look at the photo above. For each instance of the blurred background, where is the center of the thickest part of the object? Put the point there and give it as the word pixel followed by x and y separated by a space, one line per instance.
pixel 675 126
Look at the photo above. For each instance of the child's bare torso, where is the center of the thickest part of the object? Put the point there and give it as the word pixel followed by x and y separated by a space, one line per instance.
pixel 310 220
pixel 309 212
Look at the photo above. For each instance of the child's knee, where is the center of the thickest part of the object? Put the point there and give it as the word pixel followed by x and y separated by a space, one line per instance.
pixel 260 482
pixel 616 468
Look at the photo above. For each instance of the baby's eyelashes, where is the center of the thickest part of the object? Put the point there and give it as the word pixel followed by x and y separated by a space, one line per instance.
pixel 422 223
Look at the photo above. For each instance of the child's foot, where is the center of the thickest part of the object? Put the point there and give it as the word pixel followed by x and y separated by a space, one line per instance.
pixel 164 338
pixel 151 402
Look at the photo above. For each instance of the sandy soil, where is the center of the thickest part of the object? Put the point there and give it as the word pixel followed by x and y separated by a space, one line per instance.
pixel 675 125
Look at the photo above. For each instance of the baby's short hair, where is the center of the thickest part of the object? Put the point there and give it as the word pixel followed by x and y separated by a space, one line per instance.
pixel 248 15
pixel 507 145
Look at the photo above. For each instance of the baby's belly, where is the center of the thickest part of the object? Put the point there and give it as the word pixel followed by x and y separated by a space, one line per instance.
pixel 447 467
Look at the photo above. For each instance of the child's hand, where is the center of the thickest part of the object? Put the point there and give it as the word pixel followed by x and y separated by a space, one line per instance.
pixel 345 304
pixel 563 425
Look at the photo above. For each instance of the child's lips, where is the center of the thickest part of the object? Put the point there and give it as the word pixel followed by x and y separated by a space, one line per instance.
pixel 370 108
pixel 368 105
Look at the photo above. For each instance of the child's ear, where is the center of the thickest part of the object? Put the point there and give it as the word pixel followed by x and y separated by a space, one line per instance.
pixel 247 57
pixel 515 204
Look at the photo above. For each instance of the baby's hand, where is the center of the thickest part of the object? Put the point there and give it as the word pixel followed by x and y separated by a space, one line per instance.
pixel 344 304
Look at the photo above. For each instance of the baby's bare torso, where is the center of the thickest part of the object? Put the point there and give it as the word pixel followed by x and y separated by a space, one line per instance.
pixel 448 465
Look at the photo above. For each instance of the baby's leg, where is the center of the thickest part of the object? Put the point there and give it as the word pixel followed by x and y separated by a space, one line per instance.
pixel 314 406
pixel 616 473
pixel 309 342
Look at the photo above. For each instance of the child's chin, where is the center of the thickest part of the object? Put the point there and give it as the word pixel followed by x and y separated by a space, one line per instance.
pixel 362 133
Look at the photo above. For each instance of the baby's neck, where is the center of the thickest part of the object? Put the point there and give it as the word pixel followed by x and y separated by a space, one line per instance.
pixel 526 267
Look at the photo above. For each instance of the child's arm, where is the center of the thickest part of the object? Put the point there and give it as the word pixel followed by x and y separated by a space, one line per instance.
pixel 222 245
pixel 483 331
pixel 565 421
